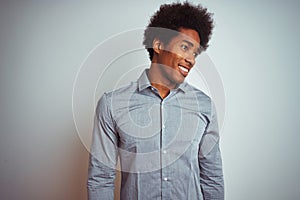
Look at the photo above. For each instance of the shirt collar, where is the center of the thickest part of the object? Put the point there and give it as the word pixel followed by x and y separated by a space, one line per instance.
pixel 183 87
pixel 143 82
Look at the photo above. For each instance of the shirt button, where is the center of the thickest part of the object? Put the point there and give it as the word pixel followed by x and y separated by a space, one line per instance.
pixel 163 126
pixel 164 151
pixel 165 179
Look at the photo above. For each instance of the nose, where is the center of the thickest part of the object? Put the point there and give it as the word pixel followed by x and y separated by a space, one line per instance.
pixel 190 59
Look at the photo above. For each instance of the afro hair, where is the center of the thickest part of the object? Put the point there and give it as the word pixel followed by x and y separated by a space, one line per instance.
pixel 174 17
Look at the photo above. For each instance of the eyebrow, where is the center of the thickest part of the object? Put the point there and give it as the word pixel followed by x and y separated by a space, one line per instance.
pixel 192 45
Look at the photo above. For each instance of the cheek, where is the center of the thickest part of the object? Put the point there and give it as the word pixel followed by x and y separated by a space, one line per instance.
pixel 176 58
pixel 171 59
pixel 175 55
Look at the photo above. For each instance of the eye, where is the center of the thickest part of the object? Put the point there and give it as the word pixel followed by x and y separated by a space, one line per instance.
pixel 195 54
pixel 184 47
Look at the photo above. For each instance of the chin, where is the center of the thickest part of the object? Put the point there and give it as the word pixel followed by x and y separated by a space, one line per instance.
pixel 177 78
pixel 179 81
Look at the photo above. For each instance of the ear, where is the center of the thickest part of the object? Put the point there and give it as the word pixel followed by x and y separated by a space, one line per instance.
pixel 157 46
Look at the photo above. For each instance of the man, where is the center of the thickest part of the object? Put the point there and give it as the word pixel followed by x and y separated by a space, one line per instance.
pixel 163 130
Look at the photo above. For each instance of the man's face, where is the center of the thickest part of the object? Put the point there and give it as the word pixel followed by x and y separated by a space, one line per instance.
pixel 178 56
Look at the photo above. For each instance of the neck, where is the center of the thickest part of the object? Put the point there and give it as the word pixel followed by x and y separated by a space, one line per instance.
pixel 159 81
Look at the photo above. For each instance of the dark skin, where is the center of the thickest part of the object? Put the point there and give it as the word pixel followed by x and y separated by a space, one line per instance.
pixel 172 62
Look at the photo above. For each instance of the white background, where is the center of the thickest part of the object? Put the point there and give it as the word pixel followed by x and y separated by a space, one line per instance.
pixel 255 47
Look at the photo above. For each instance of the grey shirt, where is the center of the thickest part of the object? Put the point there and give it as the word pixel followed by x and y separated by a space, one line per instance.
pixel 168 148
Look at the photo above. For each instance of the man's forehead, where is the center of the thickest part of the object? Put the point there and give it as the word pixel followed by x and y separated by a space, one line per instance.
pixel 195 41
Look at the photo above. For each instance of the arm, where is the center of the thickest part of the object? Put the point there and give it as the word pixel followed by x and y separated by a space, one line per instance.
pixel 103 154
pixel 210 162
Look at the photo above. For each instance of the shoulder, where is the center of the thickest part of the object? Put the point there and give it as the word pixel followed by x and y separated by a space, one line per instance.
pixel 198 93
pixel 117 94
pixel 120 91
pixel 204 101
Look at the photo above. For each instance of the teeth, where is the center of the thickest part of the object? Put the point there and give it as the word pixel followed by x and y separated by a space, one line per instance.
pixel 183 69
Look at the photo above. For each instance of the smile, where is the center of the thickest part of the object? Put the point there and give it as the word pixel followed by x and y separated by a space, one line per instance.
pixel 183 70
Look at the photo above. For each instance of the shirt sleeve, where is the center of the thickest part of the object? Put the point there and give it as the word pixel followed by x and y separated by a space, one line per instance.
pixel 210 162
pixel 103 154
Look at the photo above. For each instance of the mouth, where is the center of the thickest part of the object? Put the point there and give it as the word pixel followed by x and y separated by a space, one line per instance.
pixel 183 70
